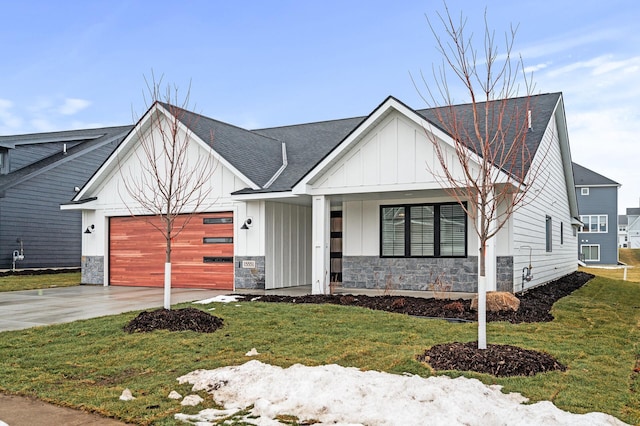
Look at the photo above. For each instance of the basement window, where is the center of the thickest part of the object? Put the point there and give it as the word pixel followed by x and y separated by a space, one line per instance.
pixel 590 252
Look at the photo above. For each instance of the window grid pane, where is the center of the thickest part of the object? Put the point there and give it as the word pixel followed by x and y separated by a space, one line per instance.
pixel 452 230
pixel 603 223
pixel 422 243
pixel 393 219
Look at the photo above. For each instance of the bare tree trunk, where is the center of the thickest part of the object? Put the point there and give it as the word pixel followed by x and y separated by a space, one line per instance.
pixel 488 172
pixel 482 299
pixel 167 182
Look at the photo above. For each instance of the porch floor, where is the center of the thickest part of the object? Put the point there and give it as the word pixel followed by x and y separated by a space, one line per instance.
pixel 306 289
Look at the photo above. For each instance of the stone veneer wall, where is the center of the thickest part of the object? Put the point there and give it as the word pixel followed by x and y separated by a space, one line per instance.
pixel 505 273
pixel 249 278
pixel 372 272
pixel 92 270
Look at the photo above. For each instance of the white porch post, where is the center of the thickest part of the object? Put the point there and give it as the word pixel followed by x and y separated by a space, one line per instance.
pixel 320 237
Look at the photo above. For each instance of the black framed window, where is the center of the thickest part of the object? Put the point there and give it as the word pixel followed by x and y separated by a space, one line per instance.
pixel 423 230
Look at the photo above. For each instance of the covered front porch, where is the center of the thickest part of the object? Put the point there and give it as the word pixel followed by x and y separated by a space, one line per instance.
pixel 385 242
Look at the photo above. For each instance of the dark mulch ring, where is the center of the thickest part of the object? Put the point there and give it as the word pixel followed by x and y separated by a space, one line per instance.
pixel 498 360
pixel 174 320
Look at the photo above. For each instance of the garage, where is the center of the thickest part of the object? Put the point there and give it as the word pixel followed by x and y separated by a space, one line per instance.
pixel 201 256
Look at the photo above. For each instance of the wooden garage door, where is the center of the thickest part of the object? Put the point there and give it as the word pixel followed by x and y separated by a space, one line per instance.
pixel 201 255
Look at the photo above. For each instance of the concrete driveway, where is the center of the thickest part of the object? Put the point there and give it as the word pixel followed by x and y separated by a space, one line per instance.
pixel 30 308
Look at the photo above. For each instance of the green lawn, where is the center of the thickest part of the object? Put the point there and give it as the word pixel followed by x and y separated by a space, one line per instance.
pixel 631 257
pixel 35 282
pixel 87 364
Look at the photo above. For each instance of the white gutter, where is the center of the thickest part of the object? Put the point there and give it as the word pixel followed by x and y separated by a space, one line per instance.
pixel 285 162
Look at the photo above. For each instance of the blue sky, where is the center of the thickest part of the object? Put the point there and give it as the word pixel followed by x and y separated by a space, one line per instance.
pixel 68 64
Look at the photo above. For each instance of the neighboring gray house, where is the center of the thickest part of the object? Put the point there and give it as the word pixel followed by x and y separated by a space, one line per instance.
pixel 38 172
pixel 623 234
pixel 598 207
pixel 633 227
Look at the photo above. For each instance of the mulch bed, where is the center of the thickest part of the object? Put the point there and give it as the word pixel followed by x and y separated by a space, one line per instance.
pixel 535 304
pixel 174 320
pixel 498 360
pixel 39 271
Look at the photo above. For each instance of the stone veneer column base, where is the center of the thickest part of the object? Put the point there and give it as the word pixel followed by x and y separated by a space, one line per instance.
pixel 251 278
pixel 92 270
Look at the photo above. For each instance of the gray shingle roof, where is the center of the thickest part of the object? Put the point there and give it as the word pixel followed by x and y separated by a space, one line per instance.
pixel 584 177
pixel 256 156
pixel 512 122
pixel 307 145
pixel 258 153
pixel 83 141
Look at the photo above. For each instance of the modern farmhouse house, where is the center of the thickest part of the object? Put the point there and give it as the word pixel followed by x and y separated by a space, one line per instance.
pixel 351 201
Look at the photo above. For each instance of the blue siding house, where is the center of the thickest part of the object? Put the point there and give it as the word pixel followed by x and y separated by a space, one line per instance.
pixel 598 208
pixel 38 172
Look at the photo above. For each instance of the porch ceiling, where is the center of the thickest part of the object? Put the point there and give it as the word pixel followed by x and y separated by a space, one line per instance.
pixel 389 195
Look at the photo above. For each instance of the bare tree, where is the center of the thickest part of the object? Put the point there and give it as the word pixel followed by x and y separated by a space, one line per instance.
pixel 165 182
pixel 488 170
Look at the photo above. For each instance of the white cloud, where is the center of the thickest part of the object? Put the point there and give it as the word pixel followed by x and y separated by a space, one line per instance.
pixel 42 125
pixel 8 120
pixel 601 96
pixel 567 42
pixel 536 67
pixel 72 106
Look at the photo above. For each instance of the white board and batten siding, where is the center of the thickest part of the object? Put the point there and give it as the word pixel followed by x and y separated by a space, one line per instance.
pixel 288 245
pixel 114 200
pixel 394 155
pixel 550 198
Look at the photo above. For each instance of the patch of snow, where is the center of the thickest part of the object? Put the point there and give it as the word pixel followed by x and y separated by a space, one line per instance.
pixel 127 395
pixel 192 400
pixel 174 395
pixel 252 352
pixel 223 298
pixel 332 395
pixel 211 414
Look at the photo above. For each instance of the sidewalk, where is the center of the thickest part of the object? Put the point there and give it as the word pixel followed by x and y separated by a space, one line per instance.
pixel 22 411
